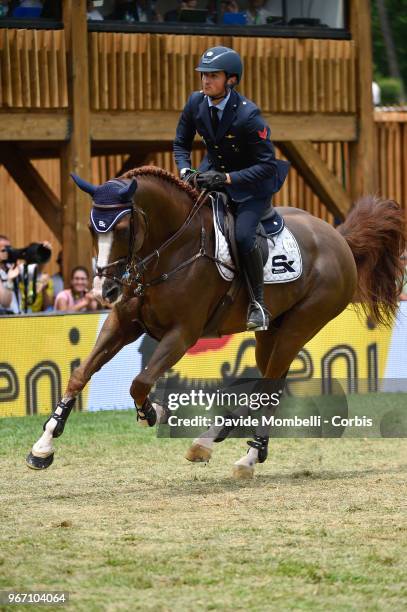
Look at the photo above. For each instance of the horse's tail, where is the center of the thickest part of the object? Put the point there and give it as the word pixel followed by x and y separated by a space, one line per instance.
pixel 374 230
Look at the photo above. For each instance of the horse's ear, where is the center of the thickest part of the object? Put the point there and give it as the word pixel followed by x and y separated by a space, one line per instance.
pixel 84 185
pixel 127 193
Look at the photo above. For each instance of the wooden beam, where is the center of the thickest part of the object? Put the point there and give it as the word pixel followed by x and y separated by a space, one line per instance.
pixel 33 186
pixel 306 159
pixel 153 126
pixel 15 126
pixel 363 171
pixel 75 154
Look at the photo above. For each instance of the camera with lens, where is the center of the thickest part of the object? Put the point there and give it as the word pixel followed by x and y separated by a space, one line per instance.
pixel 34 253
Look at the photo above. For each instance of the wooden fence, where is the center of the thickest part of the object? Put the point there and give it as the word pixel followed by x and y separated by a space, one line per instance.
pixel 156 71
pixel 33 69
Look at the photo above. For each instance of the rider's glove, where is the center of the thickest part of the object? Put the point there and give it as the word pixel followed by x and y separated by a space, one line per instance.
pixel 211 179
pixel 186 174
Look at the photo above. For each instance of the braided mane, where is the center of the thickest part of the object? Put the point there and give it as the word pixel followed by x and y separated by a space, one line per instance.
pixel 164 175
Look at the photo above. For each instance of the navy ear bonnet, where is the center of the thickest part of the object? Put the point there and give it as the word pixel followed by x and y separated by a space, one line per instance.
pixel 111 201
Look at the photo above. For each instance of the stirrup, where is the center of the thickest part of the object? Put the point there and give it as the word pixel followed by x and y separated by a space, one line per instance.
pixel 265 318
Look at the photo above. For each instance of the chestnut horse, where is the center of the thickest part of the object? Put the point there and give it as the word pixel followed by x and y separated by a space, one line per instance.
pixel 156 266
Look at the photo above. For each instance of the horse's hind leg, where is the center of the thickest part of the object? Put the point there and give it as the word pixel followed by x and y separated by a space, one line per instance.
pixel 275 351
pixel 113 336
pixel 202 447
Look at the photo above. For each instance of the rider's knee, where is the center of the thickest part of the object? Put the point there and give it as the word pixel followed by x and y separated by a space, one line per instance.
pixel 245 243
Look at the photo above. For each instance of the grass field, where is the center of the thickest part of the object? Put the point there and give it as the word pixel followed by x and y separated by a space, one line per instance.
pixel 123 522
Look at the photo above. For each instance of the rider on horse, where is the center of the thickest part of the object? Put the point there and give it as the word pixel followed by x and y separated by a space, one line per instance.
pixel 240 159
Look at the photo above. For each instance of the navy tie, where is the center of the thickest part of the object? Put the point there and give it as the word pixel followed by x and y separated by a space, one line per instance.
pixel 214 119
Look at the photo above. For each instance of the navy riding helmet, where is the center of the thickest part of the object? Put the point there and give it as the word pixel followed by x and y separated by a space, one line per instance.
pixel 222 59
pixel 111 201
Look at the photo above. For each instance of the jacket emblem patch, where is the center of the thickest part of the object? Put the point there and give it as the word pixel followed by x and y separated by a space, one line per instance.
pixel 263 133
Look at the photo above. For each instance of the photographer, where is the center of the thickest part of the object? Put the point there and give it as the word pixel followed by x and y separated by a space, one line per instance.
pixel 8 282
pixel 31 287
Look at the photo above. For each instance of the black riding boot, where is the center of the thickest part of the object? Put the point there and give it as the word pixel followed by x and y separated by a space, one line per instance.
pixel 257 316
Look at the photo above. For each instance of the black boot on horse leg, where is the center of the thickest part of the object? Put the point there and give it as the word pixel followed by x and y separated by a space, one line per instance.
pixel 258 447
pixel 168 352
pixel 42 453
pixel 257 316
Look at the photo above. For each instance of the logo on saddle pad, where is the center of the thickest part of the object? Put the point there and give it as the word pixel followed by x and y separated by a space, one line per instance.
pixel 285 266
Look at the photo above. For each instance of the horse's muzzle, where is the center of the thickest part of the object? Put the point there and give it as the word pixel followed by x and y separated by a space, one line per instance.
pixel 110 291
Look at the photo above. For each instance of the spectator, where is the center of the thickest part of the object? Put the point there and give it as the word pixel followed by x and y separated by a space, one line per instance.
pixel 134 11
pixel 8 284
pixel 226 6
pixel 4 8
pixel 57 278
pixel 174 14
pixel 93 14
pixel 77 298
pixel 35 293
pixel 31 288
pixel 26 8
pixel 256 13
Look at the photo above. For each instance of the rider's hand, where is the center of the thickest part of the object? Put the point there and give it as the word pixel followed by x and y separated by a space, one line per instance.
pixel 186 174
pixel 211 179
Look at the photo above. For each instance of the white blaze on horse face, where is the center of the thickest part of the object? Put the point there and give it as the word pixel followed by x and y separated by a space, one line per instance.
pixel 105 242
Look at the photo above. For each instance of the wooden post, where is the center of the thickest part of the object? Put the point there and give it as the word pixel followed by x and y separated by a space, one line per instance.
pixel 363 152
pixel 75 153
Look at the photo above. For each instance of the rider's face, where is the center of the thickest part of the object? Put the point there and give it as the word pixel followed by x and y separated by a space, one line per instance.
pixel 213 83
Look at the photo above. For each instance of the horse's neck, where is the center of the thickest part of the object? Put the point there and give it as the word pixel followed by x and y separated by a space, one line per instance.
pixel 166 210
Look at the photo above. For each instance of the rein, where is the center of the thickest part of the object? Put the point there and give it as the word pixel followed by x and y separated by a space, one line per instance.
pixel 135 267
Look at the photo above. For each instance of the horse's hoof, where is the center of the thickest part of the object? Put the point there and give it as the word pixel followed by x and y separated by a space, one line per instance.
pixel 198 453
pixel 39 463
pixel 142 423
pixel 243 472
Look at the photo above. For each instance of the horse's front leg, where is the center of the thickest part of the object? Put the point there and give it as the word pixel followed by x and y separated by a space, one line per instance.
pixel 113 336
pixel 168 352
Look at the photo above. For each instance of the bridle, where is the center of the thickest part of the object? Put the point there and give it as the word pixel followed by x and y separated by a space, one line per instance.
pixel 104 270
pixel 135 266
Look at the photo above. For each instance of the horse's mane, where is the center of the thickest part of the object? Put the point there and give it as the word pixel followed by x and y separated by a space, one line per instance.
pixel 154 171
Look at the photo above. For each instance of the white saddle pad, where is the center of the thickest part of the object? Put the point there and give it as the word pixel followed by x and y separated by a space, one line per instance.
pixel 284 263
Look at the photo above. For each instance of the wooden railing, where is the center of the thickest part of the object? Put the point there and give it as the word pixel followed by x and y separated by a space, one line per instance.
pixel 33 69
pixel 156 71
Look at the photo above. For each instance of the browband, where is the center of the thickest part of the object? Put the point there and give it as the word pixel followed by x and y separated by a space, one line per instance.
pixel 104 206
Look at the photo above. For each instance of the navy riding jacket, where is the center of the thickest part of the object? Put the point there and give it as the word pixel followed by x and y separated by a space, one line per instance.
pixel 241 146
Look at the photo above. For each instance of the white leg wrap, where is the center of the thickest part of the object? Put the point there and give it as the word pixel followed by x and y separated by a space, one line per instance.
pixel 207 439
pixel 250 459
pixel 160 412
pixel 43 447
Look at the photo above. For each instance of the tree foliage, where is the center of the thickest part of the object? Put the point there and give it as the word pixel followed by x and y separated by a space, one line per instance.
pixel 397 12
